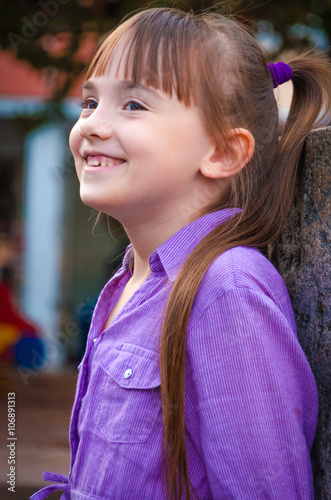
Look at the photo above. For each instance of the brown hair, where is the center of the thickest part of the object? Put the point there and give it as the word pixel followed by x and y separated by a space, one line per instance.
pixel 215 62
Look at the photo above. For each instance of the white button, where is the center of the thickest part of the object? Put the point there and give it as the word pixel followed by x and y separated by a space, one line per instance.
pixel 128 373
pixel 96 338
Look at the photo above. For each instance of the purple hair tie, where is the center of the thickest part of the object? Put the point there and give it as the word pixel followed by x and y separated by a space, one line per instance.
pixel 280 72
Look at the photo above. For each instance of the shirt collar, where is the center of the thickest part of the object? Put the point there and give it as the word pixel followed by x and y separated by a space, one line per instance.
pixel 171 255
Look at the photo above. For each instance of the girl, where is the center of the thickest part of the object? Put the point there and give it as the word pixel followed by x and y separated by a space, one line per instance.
pixel 193 383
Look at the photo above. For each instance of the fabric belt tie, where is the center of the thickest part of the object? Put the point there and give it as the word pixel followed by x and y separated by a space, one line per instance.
pixel 47 490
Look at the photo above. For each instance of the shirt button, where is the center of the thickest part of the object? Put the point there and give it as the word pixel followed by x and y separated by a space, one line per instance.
pixel 94 340
pixel 128 373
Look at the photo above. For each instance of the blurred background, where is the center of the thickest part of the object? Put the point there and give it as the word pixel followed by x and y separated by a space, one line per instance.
pixel 53 261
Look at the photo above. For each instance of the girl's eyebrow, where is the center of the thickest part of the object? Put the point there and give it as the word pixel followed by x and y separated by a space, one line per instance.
pixel 130 85
pixel 87 85
pixel 125 85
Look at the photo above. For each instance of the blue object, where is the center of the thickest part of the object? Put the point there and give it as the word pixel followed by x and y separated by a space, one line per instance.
pixel 30 353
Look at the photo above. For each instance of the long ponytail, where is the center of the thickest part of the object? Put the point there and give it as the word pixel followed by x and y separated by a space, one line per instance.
pixel 258 225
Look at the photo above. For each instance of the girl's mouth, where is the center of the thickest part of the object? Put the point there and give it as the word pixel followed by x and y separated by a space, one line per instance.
pixel 96 161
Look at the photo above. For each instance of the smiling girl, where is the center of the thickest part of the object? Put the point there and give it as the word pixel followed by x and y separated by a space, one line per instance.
pixel 193 383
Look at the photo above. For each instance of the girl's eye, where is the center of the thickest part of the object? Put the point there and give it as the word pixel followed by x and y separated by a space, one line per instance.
pixel 133 106
pixel 88 104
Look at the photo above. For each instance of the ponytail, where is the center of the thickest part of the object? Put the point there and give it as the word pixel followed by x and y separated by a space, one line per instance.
pixel 311 104
pixel 258 225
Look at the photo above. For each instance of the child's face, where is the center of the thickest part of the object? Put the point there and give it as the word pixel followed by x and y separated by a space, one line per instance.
pixel 137 151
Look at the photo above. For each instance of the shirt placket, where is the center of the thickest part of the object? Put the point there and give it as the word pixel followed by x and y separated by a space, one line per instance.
pixel 83 378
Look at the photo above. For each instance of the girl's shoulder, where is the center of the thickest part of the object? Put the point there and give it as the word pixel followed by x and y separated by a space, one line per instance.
pixel 241 269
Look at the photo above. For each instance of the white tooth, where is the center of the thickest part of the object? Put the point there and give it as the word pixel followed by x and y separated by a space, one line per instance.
pixel 103 163
pixel 93 163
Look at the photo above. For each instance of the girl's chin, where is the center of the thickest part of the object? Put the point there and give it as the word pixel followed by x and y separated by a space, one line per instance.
pixel 97 203
pixel 91 200
pixel 95 206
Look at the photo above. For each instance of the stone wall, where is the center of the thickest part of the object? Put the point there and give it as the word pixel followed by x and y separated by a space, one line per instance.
pixel 303 257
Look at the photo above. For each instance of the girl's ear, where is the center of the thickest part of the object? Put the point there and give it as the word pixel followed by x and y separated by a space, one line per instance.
pixel 234 157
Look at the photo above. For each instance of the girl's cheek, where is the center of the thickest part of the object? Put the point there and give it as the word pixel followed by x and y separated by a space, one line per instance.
pixel 75 140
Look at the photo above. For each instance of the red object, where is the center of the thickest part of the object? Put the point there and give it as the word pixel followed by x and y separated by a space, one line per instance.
pixel 10 314
pixel 14 325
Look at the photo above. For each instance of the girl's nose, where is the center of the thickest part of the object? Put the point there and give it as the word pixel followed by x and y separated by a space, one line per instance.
pixel 93 126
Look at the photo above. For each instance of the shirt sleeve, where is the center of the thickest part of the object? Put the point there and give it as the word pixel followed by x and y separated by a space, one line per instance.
pixel 255 398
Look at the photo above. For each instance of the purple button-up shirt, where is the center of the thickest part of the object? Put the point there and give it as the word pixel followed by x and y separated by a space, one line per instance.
pixel 250 396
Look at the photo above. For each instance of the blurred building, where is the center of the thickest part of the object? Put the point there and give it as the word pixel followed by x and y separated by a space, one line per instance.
pixel 48 254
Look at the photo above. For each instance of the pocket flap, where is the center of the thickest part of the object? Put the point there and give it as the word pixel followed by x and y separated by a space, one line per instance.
pixel 132 367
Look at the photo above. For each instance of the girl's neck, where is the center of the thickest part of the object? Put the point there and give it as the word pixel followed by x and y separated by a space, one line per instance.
pixel 141 269
pixel 145 240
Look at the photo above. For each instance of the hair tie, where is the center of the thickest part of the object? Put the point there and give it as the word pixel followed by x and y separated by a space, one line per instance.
pixel 280 72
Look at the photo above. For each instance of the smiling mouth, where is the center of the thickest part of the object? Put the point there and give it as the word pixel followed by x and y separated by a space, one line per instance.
pixel 102 161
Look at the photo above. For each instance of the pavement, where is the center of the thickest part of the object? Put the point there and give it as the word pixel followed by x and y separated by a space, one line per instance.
pixel 43 402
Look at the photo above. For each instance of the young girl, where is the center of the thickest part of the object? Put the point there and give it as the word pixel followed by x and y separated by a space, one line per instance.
pixel 193 384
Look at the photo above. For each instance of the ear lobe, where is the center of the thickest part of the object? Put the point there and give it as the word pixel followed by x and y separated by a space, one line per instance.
pixel 232 158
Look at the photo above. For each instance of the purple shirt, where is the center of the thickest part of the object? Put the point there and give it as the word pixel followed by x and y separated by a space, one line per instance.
pixel 251 399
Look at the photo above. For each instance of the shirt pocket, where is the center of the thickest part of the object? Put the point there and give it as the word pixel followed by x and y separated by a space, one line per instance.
pixel 130 403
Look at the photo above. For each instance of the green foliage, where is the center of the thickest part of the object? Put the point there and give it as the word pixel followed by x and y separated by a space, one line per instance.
pixel 49 33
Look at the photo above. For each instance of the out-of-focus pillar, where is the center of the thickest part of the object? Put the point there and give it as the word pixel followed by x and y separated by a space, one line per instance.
pixel 43 214
pixel 303 257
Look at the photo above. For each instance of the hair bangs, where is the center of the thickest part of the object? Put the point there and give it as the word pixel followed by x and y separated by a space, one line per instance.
pixel 159 53
pixel 104 52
